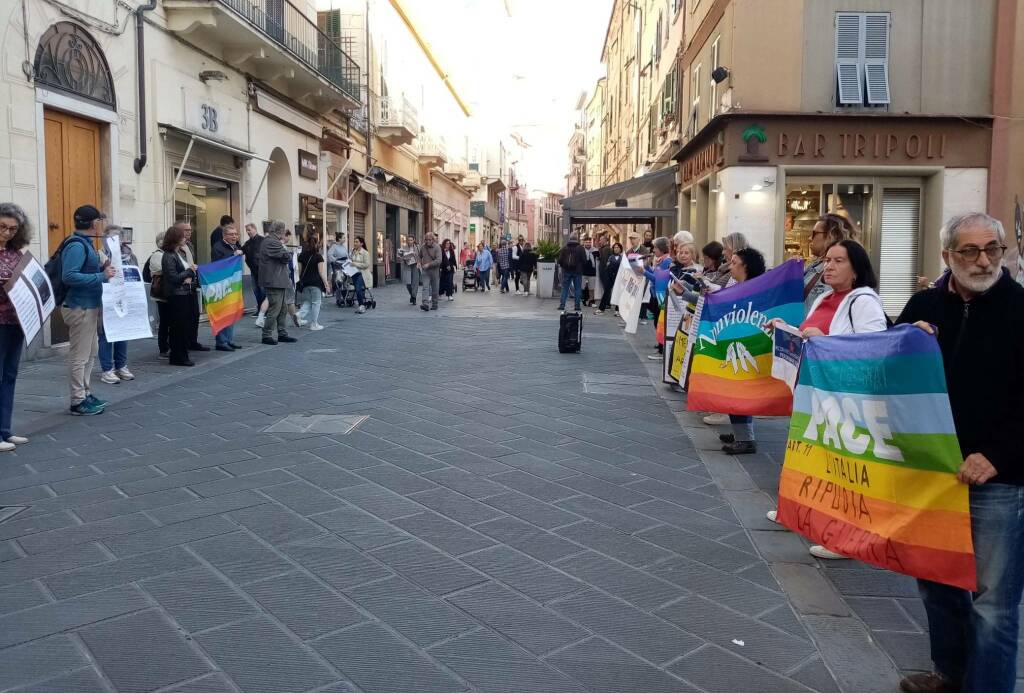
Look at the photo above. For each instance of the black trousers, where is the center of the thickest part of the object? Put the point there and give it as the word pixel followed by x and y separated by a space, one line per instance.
pixel 448 282
pixel 164 326
pixel 606 297
pixel 193 334
pixel 516 273
pixel 181 308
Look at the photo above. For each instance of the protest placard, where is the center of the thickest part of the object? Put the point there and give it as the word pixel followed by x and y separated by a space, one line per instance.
pixel 871 462
pixel 787 347
pixel 125 305
pixel 31 294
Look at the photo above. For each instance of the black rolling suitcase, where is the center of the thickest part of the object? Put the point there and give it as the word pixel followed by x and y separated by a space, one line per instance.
pixel 570 333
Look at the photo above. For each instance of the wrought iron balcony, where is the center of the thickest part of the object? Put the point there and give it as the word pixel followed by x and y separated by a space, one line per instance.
pixel 397 120
pixel 267 38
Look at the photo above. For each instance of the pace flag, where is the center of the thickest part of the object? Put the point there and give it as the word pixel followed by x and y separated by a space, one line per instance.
pixel 731 372
pixel 221 284
pixel 872 457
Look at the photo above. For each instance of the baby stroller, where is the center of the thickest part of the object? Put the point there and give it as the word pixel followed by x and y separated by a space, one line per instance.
pixel 345 289
pixel 468 278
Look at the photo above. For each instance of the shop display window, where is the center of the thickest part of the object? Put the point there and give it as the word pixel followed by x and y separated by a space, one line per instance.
pixel 807 201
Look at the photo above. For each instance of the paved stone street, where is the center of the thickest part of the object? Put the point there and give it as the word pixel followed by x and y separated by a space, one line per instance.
pixel 505 518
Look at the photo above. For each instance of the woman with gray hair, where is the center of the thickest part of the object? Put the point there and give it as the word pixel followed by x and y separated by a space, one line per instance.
pixel 15 232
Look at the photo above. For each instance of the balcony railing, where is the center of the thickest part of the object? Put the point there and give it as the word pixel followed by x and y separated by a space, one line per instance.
pixel 431 149
pixel 300 36
pixel 398 112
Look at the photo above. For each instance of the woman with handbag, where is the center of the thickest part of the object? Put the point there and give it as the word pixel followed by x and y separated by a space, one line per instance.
pixel 179 288
pixel 313 282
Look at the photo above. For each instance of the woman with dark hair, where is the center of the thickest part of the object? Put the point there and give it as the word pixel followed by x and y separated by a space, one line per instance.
pixel 360 259
pixel 848 306
pixel 716 272
pixel 179 282
pixel 830 228
pixel 312 280
pixel 745 263
pixel 449 262
pixel 15 232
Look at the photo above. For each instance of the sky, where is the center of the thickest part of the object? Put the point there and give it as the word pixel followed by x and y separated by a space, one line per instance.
pixel 521 66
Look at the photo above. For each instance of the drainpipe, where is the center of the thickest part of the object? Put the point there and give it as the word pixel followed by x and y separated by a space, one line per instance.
pixel 140 53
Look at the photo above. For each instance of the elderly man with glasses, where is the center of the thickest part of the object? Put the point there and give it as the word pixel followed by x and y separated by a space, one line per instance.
pixel 976 312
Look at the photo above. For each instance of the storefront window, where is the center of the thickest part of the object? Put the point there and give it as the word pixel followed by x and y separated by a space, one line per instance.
pixel 803 207
pixel 201 201
pixel 311 215
pixel 806 201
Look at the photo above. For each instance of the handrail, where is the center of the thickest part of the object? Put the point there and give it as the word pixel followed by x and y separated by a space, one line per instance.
pixel 302 38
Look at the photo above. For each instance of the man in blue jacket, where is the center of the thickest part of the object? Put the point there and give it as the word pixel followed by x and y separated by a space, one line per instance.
pixel 83 276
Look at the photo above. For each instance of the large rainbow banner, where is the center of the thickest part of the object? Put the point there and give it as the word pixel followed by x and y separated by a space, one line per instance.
pixel 221 284
pixel 871 462
pixel 731 371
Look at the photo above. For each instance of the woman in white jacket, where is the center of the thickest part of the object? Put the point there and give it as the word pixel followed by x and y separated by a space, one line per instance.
pixel 849 306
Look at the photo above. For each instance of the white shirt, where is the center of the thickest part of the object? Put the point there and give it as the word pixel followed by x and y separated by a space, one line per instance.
pixel 861 311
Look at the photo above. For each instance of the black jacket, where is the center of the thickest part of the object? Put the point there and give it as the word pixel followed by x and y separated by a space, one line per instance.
pixel 527 261
pixel 590 262
pixel 222 250
pixel 175 273
pixel 449 260
pixel 252 253
pixel 982 343
pixel 572 258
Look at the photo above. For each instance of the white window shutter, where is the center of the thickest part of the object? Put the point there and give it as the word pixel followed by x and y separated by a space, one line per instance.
pixel 900 247
pixel 876 58
pixel 849 58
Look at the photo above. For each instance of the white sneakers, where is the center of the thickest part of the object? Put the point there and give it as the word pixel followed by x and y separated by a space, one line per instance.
pixel 260 319
pixel 451 298
pixel 117 375
pixel 12 442
pixel 361 309
pixel 519 293
pixel 716 419
pixel 316 327
pixel 654 357
pixel 816 550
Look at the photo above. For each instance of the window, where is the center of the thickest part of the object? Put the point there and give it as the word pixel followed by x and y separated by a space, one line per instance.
pixel 695 100
pixel 656 48
pixel 901 231
pixel 715 59
pixel 668 96
pixel 862 59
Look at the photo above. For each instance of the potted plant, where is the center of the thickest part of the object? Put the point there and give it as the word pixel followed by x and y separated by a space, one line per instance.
pixel 547 253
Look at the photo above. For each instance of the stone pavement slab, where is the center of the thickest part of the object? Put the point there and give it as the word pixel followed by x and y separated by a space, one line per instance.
pixel 527 532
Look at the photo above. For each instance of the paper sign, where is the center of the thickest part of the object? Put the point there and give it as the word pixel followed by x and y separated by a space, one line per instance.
pixel 787 348
pixel 126 307
pixel 31 295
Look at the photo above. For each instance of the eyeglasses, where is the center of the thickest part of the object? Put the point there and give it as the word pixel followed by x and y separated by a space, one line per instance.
pixel 12 229
pixel 818 233
pixel 994 251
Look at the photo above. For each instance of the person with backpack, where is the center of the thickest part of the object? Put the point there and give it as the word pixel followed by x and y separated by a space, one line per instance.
pixel 80 293
pixel 114 355
pixel 572 260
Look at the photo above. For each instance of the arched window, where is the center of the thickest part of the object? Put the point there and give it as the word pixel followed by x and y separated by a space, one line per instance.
pixel 68 59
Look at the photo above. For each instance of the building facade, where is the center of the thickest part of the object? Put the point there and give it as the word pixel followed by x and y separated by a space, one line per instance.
pixel 190 113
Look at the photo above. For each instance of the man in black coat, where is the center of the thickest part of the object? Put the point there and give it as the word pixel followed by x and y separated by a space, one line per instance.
pixel 976 312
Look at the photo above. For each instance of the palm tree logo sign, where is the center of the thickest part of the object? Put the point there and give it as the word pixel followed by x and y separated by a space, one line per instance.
pixel 754 136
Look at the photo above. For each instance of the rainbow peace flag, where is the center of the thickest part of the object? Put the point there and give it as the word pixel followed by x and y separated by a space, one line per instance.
pixel 731 372
pixel 221 284
pixel 870 469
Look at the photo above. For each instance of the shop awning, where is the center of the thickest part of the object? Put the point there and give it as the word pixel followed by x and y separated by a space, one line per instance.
pixel 641 191
pixel 235 151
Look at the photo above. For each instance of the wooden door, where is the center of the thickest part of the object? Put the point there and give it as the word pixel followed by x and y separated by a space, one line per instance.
pixel 72 171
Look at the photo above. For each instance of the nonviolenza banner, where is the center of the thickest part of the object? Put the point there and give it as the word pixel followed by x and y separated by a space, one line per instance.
pixel 872 457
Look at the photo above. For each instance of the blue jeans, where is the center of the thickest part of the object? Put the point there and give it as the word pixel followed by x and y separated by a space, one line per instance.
pixel 503 274
pixel 112 354
pixel 485 279
pixel 226 336
pixel 576 281
pixel 312 298
pixel 742 427
pixel 974 635
pixel 360 285
pixel 12 340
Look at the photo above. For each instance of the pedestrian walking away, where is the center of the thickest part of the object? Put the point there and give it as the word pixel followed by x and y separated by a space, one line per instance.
pixel 114 355
pixel 430 271
pixel 83 275
pixel 223 249
pixel 409 257
pixel 571 260
pixel 976 312
pixel 274 278
pixel 449 263
pixel 527 266
pixel 482 264
pixel 517 254
pixel 15 234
